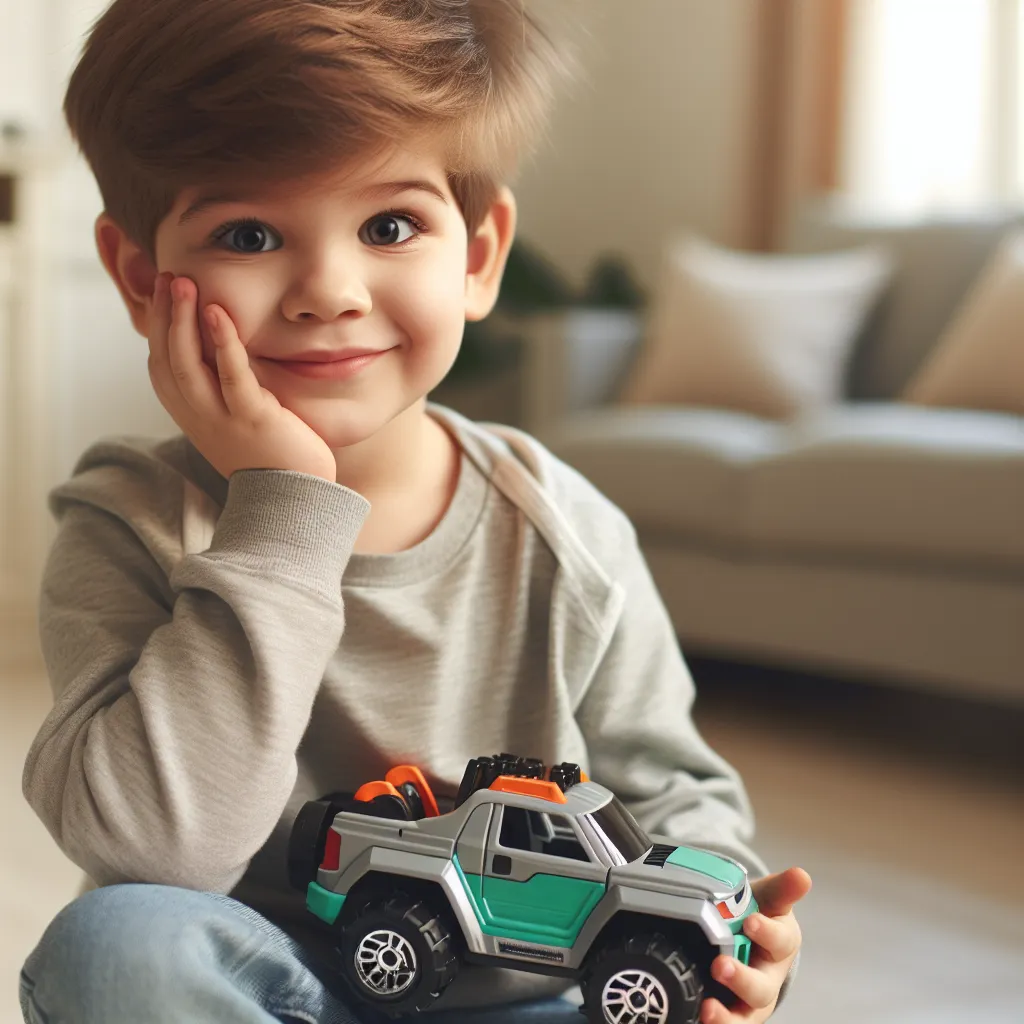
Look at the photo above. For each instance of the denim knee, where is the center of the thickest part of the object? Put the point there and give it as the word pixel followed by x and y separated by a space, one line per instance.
pixel 155 953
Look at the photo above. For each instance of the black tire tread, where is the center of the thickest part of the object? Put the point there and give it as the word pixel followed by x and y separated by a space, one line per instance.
pixel 422 918
pixel 652 945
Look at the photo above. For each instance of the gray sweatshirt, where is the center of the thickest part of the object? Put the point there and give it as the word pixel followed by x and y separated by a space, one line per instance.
pixel 218 655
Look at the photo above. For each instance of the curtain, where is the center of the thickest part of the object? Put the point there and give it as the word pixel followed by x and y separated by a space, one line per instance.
pixel 796 107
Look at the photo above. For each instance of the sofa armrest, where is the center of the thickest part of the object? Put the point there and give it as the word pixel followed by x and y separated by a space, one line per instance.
pixel 575 360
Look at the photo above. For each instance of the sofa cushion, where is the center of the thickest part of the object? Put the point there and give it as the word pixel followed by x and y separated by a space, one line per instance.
pixel 978 363
pixel 936 260
pixel 886 479
pixel 676 469
pixel 763 333
pixel 873 481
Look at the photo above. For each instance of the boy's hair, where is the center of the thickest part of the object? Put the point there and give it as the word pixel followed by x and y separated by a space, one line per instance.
pixel 175 94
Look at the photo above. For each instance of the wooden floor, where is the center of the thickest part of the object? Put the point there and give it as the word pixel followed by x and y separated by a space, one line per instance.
pixel 908 812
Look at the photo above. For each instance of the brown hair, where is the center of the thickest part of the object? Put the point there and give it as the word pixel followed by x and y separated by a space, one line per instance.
pixel 175 94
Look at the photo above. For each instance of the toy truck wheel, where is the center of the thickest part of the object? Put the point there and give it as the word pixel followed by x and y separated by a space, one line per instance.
pixel 643 979
pixel 307 841
pixel 397 955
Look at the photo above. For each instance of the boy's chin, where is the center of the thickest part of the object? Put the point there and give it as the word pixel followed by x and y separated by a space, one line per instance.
pixel 344 429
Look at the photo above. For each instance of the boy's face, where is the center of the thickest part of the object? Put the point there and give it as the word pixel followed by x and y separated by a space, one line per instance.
pixel 374 259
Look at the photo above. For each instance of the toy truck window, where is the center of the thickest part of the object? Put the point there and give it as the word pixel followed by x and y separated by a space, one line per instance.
pixel 621 829
pixel 538 832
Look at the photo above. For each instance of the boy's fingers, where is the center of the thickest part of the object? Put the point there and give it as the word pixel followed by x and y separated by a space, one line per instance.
pixel 159 326
pixel 713 1012
pixel 776 894
pixel 238 384
pixel 159 364
pixel 191 376
pixel 757 989
pixel 775 939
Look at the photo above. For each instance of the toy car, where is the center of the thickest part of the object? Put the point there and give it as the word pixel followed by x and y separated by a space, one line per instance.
pixel 532 869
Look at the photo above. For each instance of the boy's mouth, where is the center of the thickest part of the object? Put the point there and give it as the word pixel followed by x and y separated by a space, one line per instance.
pixel 324 364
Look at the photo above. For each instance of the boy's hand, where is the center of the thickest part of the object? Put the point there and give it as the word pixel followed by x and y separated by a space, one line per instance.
pixel 233 421
pixel 776 940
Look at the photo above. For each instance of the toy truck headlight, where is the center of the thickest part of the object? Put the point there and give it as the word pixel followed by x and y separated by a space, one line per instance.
pixel 735 905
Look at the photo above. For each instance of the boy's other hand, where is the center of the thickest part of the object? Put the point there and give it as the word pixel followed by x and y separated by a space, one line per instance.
pixel 776 940
pixel 231 419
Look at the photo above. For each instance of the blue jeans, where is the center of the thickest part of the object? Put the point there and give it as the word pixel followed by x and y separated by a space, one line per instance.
pixel 149 954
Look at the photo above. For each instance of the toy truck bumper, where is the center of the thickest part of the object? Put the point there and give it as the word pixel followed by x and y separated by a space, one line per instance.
pixel 324 903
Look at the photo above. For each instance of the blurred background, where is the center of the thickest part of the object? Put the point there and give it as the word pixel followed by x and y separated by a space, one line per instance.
pixel 768 295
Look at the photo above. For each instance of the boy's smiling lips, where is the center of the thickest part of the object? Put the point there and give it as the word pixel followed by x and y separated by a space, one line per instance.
pixel 329 364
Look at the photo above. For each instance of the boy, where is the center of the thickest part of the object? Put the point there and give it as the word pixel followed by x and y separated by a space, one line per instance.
pixel 324 575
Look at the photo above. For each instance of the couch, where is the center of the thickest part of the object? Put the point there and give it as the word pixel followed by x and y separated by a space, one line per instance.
pixel 875 540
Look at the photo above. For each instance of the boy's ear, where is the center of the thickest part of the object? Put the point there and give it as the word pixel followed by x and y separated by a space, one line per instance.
pixel 488 254
pixel 131 269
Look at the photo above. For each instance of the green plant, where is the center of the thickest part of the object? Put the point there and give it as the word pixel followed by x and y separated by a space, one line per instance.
pixel 611 285
pixel 533 284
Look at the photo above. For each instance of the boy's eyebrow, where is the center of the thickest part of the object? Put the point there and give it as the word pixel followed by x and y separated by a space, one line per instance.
pixel 393 188
pixel 388 188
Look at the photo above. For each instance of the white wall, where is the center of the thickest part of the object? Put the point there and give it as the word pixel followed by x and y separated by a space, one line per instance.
pixel 102 384
pixel 654 142
pixel 22 74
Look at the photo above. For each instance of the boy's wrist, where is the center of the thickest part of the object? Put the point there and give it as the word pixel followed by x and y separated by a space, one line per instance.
pixel 788 980
pixel 297 522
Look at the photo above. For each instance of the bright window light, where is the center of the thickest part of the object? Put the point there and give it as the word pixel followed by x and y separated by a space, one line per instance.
pixel 1018 76
pixel 921 104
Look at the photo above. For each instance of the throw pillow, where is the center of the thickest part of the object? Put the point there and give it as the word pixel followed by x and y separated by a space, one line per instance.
pixel 767 334
pixel 978 362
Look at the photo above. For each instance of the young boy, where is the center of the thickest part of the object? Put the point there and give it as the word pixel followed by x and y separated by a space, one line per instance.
pixel 325 576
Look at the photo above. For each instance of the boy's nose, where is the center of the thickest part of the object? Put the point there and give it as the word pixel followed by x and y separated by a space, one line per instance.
pixel 326 292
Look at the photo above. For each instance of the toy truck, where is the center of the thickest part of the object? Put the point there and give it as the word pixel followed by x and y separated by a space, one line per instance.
pixel 532 869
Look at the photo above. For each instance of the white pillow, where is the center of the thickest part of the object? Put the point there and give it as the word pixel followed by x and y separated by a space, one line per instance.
pixel 767 334
pixel 978 362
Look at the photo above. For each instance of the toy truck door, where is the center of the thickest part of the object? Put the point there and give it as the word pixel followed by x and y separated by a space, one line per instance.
pixel 541 880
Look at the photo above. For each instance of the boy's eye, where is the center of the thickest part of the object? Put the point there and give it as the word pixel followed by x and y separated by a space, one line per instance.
pixel 388 229
pixel 246 236
pixel 250 236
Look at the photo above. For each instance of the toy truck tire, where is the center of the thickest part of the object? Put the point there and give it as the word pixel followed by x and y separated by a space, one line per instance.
pixel 307 841
pixel 397 954
pixel 642 978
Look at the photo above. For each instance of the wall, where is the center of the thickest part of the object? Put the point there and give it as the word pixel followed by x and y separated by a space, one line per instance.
pixel 656 140
pixel 101 382
pixel 23 86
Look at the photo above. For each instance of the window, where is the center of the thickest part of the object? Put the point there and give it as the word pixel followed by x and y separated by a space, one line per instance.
pixel 538 832
pixel 935 103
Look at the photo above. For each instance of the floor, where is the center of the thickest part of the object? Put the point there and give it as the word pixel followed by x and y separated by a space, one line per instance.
pixel 907 812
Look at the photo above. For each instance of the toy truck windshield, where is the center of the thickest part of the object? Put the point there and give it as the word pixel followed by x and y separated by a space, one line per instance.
pixel 619 831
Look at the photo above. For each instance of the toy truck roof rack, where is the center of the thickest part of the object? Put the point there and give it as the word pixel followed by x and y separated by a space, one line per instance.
pixel 482 772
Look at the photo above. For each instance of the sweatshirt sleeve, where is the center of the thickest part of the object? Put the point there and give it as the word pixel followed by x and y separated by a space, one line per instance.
pixel 643 744
pixel 636 720
pixel 183 687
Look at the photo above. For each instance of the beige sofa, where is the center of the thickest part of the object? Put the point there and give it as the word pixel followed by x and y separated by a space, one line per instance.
pixel 878 540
